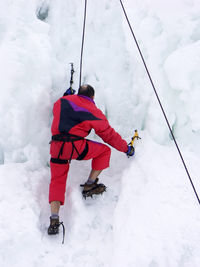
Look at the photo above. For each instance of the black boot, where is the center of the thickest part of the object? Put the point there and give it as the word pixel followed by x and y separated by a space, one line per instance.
pixel 93 189
pixel 54 226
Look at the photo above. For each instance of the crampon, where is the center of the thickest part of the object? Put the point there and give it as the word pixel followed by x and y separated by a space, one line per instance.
pixel 93 189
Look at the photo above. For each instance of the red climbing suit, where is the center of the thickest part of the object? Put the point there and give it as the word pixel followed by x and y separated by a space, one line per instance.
pixel 77 115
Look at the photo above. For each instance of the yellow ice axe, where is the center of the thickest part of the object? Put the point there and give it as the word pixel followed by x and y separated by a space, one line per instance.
pixel 136 136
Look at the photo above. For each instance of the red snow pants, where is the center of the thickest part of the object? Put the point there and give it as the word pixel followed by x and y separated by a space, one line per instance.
pixel 99 153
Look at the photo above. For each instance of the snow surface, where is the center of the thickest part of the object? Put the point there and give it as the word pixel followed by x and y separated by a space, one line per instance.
pixel 149 216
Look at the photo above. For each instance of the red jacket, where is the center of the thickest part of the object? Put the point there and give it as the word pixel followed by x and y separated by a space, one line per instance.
pixel 76 114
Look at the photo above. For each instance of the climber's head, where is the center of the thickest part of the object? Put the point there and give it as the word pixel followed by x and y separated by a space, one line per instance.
pixel 86 90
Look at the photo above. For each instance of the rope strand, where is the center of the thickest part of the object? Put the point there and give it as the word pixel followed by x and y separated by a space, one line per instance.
pixel 82 45
pixel 148 73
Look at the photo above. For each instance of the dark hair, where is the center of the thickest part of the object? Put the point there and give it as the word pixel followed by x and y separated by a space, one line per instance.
pixel 86 90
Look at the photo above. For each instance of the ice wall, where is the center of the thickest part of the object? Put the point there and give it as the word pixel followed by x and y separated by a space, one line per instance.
pixel 39 39
pixel 169 38
pixel 25 69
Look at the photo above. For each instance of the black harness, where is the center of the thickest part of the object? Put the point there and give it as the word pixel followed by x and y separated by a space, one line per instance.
pixel 65 138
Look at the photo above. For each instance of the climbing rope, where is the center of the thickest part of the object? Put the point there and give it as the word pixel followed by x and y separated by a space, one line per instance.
pixel 82 45
pixel 148 73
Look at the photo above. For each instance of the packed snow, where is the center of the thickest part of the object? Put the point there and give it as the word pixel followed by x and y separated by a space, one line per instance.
pixel 149 216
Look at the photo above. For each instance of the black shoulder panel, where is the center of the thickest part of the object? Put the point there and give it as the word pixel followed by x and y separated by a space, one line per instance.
pixel 71 115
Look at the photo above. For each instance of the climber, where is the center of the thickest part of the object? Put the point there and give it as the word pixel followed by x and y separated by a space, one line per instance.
pixel 74 117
